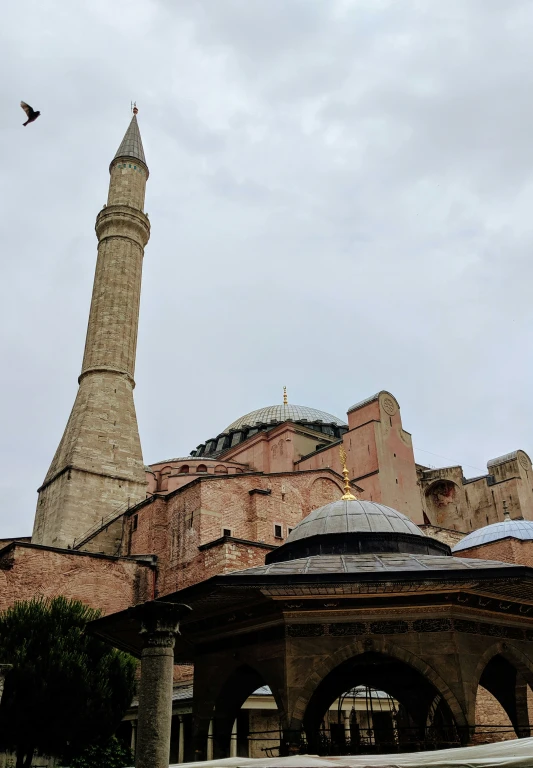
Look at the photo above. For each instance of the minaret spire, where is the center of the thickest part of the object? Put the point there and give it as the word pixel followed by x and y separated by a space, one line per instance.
pixel 98 467
pixel 131 146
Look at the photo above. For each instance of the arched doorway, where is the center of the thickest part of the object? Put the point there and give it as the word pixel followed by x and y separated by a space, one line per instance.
pixel 403 711
pixel 506 681
pixel 232 728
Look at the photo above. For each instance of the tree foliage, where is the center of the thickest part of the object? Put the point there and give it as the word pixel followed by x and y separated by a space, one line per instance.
pixel 66 689
pixel 111 755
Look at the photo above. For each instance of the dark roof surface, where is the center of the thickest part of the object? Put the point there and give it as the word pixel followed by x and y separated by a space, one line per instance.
pixel 378 563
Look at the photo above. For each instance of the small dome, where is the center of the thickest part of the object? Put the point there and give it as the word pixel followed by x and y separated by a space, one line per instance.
pixel 353 527
pixel 345 516
pixel 516 529
pixel 281 413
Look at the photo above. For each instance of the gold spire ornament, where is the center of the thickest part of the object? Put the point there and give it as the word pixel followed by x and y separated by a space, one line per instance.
pixel 348 495
pixel 285 398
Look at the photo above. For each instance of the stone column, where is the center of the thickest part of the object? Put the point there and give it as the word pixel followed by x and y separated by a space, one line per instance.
pixel 210 741
pixel 181 740
pixel 159 628
pixel 4 669
pixel 133 744
pixel 347 731
pixel 233 742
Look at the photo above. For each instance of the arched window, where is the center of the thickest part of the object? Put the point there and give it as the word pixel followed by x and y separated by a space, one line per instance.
pixel 220 470
pixel 183 470
pixel 201 468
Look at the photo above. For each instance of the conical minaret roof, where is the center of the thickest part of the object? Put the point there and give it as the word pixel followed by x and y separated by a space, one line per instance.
pixel 131 145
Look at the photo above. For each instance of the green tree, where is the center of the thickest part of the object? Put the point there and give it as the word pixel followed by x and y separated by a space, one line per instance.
pixel 66 689
pixel 111 755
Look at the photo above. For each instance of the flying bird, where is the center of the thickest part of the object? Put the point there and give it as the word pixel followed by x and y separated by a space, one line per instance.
pixel 32 114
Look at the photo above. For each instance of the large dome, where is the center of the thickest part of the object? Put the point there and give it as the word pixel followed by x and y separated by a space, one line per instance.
pixel 280 413
pixel 516 529
pixel 345 516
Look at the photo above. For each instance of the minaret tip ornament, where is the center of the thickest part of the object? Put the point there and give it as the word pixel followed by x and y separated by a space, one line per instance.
pixel 348 495
pixel 134 107
pixel 285 398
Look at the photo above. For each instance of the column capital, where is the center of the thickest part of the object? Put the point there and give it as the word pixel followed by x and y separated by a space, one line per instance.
pixel 159 622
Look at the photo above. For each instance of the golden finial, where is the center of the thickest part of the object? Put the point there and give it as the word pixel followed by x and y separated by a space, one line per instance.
pixel 285 399
pixel 348 495
pixel 134 107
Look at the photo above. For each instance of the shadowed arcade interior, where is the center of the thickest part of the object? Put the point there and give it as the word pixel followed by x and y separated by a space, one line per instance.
pixel 509 686
pixel 417 718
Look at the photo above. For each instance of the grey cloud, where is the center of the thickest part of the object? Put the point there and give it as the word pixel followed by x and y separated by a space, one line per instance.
pixel 340 201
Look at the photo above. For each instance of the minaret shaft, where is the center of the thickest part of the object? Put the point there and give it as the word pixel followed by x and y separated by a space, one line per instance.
pixel 98 467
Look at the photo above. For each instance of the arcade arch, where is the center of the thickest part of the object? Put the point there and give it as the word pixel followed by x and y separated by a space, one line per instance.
pixel 419 717
pixel 507 675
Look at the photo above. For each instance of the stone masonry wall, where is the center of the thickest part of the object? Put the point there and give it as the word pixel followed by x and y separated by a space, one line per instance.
pixel 110 584
pixel 98 466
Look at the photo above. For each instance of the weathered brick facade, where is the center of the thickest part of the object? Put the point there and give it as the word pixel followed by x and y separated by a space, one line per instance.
pixel 108 583
pixel 193 530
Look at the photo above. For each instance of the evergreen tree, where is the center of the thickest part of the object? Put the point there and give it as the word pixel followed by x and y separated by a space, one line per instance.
pixel 66 689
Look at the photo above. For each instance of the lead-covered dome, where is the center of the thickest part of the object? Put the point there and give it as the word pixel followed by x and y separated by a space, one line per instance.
pixel 515 529
pixel 350 526
pixel 344 516
pixel 280 413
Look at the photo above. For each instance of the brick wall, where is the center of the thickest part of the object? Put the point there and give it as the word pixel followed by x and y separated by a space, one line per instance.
pixel 249 506
pixel 110 584
pixel 505 550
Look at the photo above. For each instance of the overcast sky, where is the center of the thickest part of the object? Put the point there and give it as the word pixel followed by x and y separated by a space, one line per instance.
pixel 341 201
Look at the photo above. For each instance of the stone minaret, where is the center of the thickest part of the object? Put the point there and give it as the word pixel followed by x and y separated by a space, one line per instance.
pixel 98 467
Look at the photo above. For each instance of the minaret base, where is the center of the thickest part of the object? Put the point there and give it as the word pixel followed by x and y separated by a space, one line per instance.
pixel 98 469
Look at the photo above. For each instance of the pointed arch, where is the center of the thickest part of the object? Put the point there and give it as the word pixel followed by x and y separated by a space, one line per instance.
pixel 357 648
pixel 507 685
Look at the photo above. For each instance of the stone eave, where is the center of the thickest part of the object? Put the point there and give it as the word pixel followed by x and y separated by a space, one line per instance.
pixel 228 539
pixel 230 593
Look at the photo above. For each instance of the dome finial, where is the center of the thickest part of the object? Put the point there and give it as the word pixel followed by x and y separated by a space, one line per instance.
pixel 506 515
pixel 348 495
pixel 285 399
